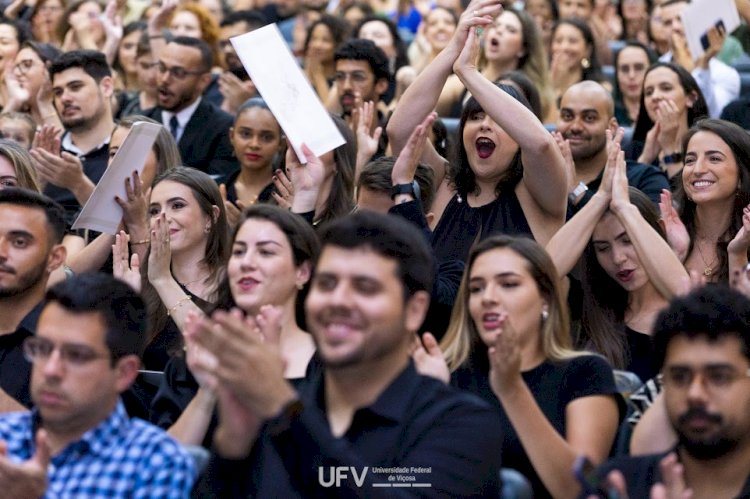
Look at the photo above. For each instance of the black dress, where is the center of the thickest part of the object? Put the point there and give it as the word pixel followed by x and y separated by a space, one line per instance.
pixel 462 225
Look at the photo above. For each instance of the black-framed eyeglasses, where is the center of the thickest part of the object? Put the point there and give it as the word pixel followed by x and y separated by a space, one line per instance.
pixel 177 72
pixel 23 67
pixel 37 349
pixel 713 377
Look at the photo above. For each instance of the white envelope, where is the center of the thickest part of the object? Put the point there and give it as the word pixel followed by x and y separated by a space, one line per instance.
pixel 701 15
pixel 101 212
pixel 289 95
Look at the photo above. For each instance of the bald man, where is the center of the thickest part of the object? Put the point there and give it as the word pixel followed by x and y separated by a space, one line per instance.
pixel 587 111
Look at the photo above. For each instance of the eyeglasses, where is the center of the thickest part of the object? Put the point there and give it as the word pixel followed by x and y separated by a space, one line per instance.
pixel 177 72
pixel 356 77
pixel 713 377
pixel 24 66
pixel 37 349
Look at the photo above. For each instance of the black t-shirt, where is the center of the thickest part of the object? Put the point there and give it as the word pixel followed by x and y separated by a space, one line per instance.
pixel 554 385
pixel 94 164
pixel 642 472
pixel 15 370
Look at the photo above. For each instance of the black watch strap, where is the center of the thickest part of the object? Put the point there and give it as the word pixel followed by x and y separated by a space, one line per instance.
pixel 412 188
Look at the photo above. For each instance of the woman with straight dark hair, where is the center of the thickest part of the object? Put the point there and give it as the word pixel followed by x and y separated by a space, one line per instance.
pixel 629 272
pixel 185 262
pixel 573 56
pixel 268 275
pixel 710 232
pixel 671 102
pixel 631 63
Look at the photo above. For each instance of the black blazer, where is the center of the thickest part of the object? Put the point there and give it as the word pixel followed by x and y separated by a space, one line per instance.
pixel 205 142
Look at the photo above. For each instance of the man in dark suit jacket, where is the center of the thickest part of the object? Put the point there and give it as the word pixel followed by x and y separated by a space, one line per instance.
pixel 200 128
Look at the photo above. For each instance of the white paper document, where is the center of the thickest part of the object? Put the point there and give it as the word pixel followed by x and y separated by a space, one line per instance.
pixel 701 15
pixel 101 212
pixel 289 95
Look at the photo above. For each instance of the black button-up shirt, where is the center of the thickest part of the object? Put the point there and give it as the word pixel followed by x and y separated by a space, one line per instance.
pixel 433 433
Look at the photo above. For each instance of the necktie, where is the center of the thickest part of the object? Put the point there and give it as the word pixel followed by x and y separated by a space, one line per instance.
pixel 174 126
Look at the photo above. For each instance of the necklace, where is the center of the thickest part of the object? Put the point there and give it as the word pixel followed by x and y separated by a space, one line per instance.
pixel 708 268
pixel 189 283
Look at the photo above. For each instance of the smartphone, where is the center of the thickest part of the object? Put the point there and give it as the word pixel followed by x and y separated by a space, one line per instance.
pixel 704 39
pixel 585 472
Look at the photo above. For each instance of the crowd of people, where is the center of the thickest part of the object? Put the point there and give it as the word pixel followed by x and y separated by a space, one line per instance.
pixel 525 270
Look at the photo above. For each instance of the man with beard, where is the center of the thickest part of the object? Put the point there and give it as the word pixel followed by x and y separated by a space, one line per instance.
pixel 31 232
pixel 703 348
pixel 587 111
pixel 82 86
pixel 368 408
pixel 200 128
pixel 361 71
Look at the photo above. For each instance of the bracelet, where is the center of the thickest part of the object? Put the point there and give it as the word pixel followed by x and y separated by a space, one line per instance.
pixel 178 305
pixel 142 241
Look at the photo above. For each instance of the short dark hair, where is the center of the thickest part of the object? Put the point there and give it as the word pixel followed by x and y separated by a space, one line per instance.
pixel 711 312
pixel 92 62
pixel 253 18
pixel 53 211
pixel 376 176
pixel 45 51
pixel 390 237
pixel 360 49
pixel 122 309
pixel 207 57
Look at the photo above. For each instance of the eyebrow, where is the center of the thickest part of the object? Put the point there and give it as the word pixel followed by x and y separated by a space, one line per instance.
pixel 501 274
pixel 21 233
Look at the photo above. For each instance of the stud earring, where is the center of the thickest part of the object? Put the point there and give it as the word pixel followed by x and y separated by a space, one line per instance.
pixel 545 314
pixel 585 63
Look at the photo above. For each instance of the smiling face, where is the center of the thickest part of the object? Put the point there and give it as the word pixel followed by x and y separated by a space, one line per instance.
pixel 585 116
pixel 256 138
pixel 29 70
pixel 616 253
pixel 261 268
pixel 321 45
pixel 186 221
pixel 500 283
pixel 356 309
pixel 568 42
pixel 439 28
pixel 378 32
pixel 504 39
pixel 632 63
pixel 662 84
pixel 710 173
pixel 489 149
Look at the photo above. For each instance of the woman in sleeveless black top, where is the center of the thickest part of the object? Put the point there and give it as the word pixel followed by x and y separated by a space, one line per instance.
pixel 508 177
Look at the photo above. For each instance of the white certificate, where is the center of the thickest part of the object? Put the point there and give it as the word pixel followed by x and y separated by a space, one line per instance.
pixel 701 15
pixel 101 212
pixel 289 95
